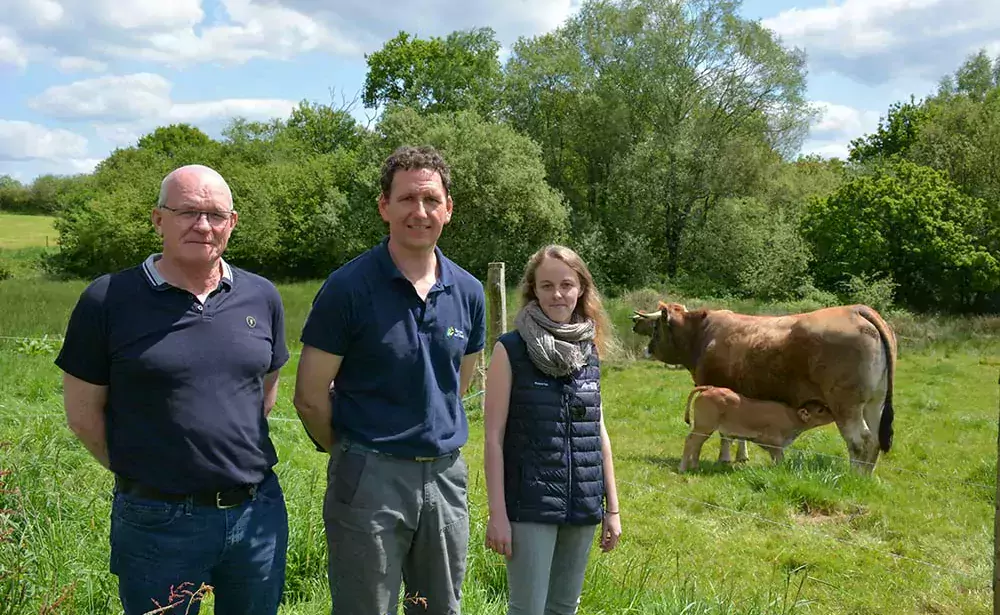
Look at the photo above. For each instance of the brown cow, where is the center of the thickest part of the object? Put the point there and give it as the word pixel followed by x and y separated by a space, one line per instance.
pixel 843 357
pixel 771 424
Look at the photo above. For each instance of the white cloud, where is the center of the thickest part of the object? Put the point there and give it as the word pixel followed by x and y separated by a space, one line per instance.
pixel 876 41
pixel 836 126
pixel 179 32
pixel 26 141
pixel 842 121
pixel 71 64
pixel 126 97
pixel 11 52
pixel 123 107
pixel 228 108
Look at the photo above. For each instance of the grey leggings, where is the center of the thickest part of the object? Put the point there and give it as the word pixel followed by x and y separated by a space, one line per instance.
pixel 545 574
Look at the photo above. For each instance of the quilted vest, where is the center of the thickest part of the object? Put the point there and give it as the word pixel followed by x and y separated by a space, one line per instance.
pixel 553 469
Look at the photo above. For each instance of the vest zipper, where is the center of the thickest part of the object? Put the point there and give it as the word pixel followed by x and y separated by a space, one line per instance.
pixel 569 456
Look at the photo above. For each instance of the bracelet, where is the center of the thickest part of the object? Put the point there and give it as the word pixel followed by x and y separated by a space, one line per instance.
pixel 611 512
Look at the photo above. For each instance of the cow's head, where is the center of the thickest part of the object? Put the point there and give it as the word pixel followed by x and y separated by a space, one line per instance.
pixel 669 330
pixel 815 414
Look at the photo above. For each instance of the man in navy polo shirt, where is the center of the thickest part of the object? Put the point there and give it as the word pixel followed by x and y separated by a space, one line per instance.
pixel 398 330
pixel 171 369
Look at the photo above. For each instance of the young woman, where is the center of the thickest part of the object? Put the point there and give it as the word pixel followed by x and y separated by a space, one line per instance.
pixel 549 473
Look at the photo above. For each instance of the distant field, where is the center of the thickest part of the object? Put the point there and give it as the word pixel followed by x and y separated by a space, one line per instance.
pixel 808 537
pixel 21 231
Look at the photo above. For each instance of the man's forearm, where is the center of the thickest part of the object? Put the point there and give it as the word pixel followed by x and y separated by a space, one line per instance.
pixel 317 420
pixel 93 438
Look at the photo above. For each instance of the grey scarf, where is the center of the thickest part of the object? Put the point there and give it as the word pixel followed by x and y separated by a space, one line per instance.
pixel 556 349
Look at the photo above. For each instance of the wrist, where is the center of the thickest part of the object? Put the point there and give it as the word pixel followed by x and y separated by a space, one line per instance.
pixel 608 513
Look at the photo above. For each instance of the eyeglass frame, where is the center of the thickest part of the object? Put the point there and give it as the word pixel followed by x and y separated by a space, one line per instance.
pixel 227 215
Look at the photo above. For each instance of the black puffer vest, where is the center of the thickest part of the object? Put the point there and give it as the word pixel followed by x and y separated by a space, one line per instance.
pixel 553 470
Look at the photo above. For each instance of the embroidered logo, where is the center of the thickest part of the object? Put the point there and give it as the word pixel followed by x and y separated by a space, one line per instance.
pixel 251 322
pixel 453 332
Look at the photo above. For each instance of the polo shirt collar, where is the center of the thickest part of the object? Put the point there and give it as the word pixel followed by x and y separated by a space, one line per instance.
pixel 158 282
pixel 445 276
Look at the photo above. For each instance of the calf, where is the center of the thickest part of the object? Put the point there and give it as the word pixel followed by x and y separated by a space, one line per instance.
pixel 771 424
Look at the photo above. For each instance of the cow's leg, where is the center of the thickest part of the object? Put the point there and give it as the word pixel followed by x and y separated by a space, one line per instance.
pixel 692 449
pixel 860 440
pixel 725 444
pixel 873 418
pixel 742 455
pixel 725 453
pixel 777 453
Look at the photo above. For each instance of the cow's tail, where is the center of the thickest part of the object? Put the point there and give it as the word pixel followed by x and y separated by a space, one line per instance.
pixel 687 407
pixel 889 344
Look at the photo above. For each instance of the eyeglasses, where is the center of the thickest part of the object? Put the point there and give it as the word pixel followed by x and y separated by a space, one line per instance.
pixel 191 216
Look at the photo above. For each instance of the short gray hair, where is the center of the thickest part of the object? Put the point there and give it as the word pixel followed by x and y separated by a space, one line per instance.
pixel 200 169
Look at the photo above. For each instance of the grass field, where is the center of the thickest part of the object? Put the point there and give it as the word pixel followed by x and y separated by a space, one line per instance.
pixel 808 536
pixel 22 231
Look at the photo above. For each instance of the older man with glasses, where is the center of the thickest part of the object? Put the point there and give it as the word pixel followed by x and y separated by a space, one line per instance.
pixel 170 371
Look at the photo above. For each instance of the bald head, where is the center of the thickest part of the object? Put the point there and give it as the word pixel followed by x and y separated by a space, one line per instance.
pixel 189 177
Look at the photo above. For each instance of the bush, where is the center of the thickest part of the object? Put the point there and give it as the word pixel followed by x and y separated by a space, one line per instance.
pixel 871 291
pixel 911 224
pixel 744 248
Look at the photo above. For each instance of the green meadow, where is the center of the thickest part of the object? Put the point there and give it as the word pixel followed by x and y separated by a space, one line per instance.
pixel 808 536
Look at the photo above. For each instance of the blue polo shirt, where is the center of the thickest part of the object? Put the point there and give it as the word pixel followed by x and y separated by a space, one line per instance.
pixel 185 409
pixel 397 387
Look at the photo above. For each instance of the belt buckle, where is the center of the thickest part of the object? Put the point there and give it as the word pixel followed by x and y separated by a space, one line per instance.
pixel 218 502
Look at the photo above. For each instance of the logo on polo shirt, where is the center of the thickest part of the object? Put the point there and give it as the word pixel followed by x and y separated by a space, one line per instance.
pixel 251 322
pixel 453 332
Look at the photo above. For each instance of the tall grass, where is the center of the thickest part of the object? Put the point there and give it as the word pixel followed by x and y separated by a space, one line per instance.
pixel 808 536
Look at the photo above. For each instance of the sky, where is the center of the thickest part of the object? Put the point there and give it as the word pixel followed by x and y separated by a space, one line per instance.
pixel 79 78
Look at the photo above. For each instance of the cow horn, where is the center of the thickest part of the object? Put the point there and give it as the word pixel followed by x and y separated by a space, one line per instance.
pixel 640 314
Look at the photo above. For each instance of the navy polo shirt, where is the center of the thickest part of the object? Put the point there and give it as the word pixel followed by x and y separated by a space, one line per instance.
pixel 185 409
pixel 397 387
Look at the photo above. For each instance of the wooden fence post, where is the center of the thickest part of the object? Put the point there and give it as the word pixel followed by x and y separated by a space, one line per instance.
pixel 996 527
pixel 496 296
pixel 496 302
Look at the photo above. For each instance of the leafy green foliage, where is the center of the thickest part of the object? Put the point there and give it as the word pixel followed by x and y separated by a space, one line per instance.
pixel 908 222
pixel 895 135
pixel 459 72
pixel 745 248
pixel 659 108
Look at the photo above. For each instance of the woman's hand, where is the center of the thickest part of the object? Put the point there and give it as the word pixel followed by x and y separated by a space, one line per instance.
pixel 611 531
pixel 498 535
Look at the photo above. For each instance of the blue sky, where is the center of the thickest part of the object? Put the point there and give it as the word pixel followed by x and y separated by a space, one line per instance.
pixel 81 77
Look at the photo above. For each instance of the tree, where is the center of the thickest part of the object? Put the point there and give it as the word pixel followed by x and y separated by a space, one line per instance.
pixel 658 106
pixel 461 71
pixel 910 223
pixel 323 129
pixel 974 78
pixel 173 140
pixel 895 135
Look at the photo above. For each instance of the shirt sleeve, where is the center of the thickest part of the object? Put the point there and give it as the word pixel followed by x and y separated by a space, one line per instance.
pixel 84 352
pixel 279 348
pixel 477 336
pixel 328 326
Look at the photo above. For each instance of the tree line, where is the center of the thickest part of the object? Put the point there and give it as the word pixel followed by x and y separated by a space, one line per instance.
pixel 656 137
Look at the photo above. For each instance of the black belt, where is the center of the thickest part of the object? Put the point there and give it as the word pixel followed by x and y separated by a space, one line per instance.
pixel 349 444
pixel 218 499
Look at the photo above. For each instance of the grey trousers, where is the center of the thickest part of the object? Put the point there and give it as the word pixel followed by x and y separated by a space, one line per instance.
pixel 545 574
pixel 390 521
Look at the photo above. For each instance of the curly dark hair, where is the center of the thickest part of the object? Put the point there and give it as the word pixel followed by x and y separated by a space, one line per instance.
pixel 410 158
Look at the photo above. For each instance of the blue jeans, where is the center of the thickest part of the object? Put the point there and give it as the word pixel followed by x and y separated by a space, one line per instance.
pixel 162 547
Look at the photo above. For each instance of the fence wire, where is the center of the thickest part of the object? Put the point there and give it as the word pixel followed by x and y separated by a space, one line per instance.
pixel 882 466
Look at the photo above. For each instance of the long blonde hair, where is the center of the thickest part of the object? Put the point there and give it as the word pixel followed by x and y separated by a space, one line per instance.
pixel 589 305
